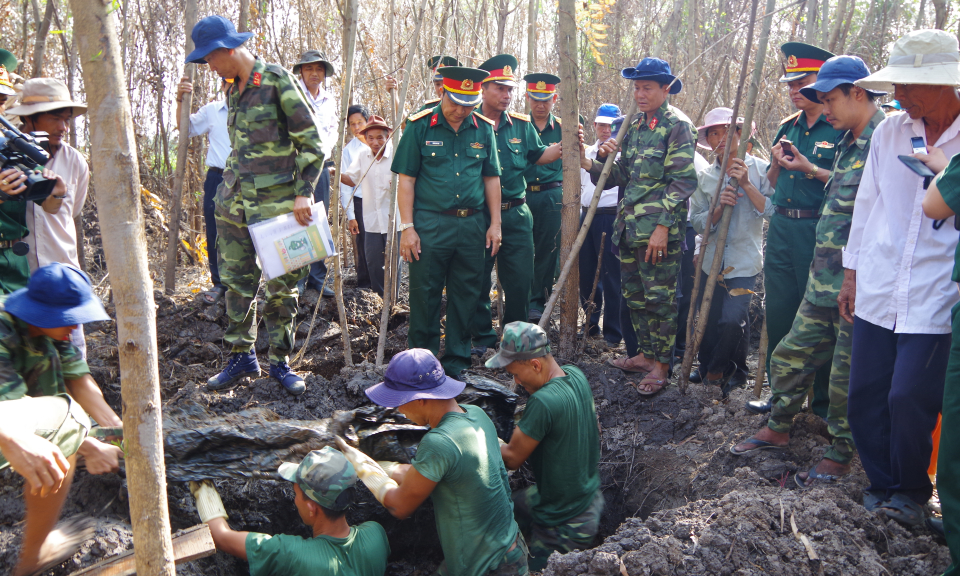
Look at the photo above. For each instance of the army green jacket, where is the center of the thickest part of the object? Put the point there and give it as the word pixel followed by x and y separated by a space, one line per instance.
pixel 546 173
pixel 656 172
pixel 836 216
pixel 518 147
pixel 276 146
pixel 34 365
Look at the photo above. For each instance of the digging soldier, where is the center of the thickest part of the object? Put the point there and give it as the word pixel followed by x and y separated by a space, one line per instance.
pixel 323 486
pixel 819 331
pixel 558 435
pixel 449 176
pixel 518 147
pixel 801 158
pixel 544 182
pixel 656 172
pixel 276 159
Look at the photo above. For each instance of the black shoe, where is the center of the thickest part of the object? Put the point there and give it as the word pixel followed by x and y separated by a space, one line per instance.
pixel 936 526
pixel 696 377
pixel 759 406
pixel 479 351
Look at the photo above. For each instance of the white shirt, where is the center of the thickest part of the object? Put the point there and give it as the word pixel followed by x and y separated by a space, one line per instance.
pixel 211 119
pixel 53 237
pixel 350 152
pixel 903 265
pixel 608 198
pixel 325 108
pixel 376 189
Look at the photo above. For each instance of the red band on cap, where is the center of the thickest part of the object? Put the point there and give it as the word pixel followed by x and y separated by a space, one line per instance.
pixel 541 87
pixel 462 86
pixel 795 64
pixel 505 73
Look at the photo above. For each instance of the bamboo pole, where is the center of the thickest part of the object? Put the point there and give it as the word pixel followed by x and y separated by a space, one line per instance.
pixel 350 40
pixel 173 217
pixel 114 156
pixel 724 226
pixel 761 359
pixel 392 271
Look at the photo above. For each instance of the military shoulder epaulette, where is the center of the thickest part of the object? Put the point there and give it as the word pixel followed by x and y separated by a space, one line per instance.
pixel 519 116
pixel 790 117
pixel 432 101
pixel 558 120
pixel 420 115
pixel 484 118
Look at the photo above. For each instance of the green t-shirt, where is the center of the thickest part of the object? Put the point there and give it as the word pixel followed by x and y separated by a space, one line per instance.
pixel 948 182
pixel 562 418
pixel 471 501
pixel 363 553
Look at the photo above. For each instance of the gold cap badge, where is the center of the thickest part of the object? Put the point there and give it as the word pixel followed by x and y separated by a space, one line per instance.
pixel 541 85
pixel 792 61
pixel 467 84
pixel 507 70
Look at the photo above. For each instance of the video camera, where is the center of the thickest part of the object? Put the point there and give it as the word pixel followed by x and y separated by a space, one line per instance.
pixel 25 152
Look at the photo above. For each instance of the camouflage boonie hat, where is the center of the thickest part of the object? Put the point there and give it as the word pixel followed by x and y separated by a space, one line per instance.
pixel 521 341
pixel 322 475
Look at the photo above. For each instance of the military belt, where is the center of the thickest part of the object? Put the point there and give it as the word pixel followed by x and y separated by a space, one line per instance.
pixel 460 212
pixel 796 213
pixel 9 243
pixel 542 187
pixel 512 203
pixel 607 210
pixel 214 169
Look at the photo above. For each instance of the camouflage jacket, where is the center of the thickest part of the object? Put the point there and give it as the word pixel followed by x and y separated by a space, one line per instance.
pixel 656 172
pixel 277 149
pixel 836 216
pixel 34 365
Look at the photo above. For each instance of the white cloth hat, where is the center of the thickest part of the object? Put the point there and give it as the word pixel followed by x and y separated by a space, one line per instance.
pixel 927 57
pixel 45 95
pixel 718 117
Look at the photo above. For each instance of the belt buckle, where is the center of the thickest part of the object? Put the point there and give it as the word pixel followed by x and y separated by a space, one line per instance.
pixel 793 212
pixel 535 188
pixel 505 206
pixel 462 212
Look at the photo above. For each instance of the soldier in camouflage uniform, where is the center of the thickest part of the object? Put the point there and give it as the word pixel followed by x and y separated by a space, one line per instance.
pixel 657 173
pixel 819 332
pixel 558 435
pixel 273 168
pixel 323 485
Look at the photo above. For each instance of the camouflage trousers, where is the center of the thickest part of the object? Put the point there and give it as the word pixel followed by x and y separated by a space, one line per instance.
pixel 650 292
pixel 514 561
pixel 818 333
pixel 574 534
pixel 240 274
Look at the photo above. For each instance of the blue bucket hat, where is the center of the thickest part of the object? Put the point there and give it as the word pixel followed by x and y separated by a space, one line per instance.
pixel 606 114
pixel 836 71
pixel 211 33
pixel 56 295
pixel 414 374
pixel 653 69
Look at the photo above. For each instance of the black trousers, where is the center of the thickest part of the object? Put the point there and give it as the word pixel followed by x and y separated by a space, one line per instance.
pixel 608 286
pixel 687 272
pixel 210 184
pixel 727 335
pixel 359 241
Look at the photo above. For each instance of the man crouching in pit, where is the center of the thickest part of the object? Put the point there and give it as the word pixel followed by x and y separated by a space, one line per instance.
pixel 558 433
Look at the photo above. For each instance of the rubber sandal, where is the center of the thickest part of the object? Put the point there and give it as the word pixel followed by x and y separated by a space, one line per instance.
pixel 660 384
pixel 815 476
pixel 873 499
pixel 211 297
pixel 759 446
pixel 903 510
pixel 74 531
pixel 614 362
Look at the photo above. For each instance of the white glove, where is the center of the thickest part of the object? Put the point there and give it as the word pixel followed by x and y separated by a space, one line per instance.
pixel 209 505
pixel 372 475
pixel 388 466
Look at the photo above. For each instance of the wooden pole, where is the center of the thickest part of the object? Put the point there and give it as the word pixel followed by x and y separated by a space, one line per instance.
pixel 392 271
pixel 531 66
pixel 724 226
pixel 570 213
pixel 114 158
pixel 350 41
pixel 761 359
pixel 183 145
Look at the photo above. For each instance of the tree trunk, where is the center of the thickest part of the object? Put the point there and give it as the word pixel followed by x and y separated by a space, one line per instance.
pixel 532 37
pixel 940 11
pixel 40 44
pixel 570 215
pixel 244 24
pixel 810 26
pixel 176 192
pixel 837 26
pixel 923 4
pixel 824 22
pixel 114 157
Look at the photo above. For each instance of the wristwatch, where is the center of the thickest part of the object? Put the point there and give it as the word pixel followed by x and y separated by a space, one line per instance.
pixel 405 226
pixel 813 173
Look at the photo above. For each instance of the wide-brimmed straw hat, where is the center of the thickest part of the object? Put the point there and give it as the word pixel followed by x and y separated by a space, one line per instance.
pixel 414 374
pixel 45 95
pixel 56 295
pixel 375 122
pixel 719 117
pixel 930 57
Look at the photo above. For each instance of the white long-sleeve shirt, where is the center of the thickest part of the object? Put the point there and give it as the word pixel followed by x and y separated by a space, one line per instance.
pixel 608 198
pixel 350 152
pixel 376 188
pixel 903 265
pixel 325 108
pixel 53 237
pixel 211 119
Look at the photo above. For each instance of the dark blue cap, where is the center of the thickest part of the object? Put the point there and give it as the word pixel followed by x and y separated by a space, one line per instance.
pixel 653 69
pixel 56 295
pixel 836 71
pixel 414 374
pixel 616 125
pixel 211 33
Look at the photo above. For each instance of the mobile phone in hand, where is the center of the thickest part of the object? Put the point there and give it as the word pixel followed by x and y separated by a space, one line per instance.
pixel 919 146
pixel 787 147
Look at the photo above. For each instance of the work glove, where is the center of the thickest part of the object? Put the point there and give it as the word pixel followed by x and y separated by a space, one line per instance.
pixel 209 505
pixel 370 473
pixel 388 466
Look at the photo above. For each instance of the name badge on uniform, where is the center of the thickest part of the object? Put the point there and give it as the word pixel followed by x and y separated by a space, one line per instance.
pixel 514 140
pixel 476 146
pixel 434 142
pixel 824 145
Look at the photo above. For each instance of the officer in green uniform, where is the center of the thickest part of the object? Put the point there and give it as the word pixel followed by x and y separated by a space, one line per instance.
pixel 449 176
pixel 545 183
pixel 518 147
pixel 273 168
pixel 323 486
pixel 657 174
pixel 798 193
pixel 819 331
